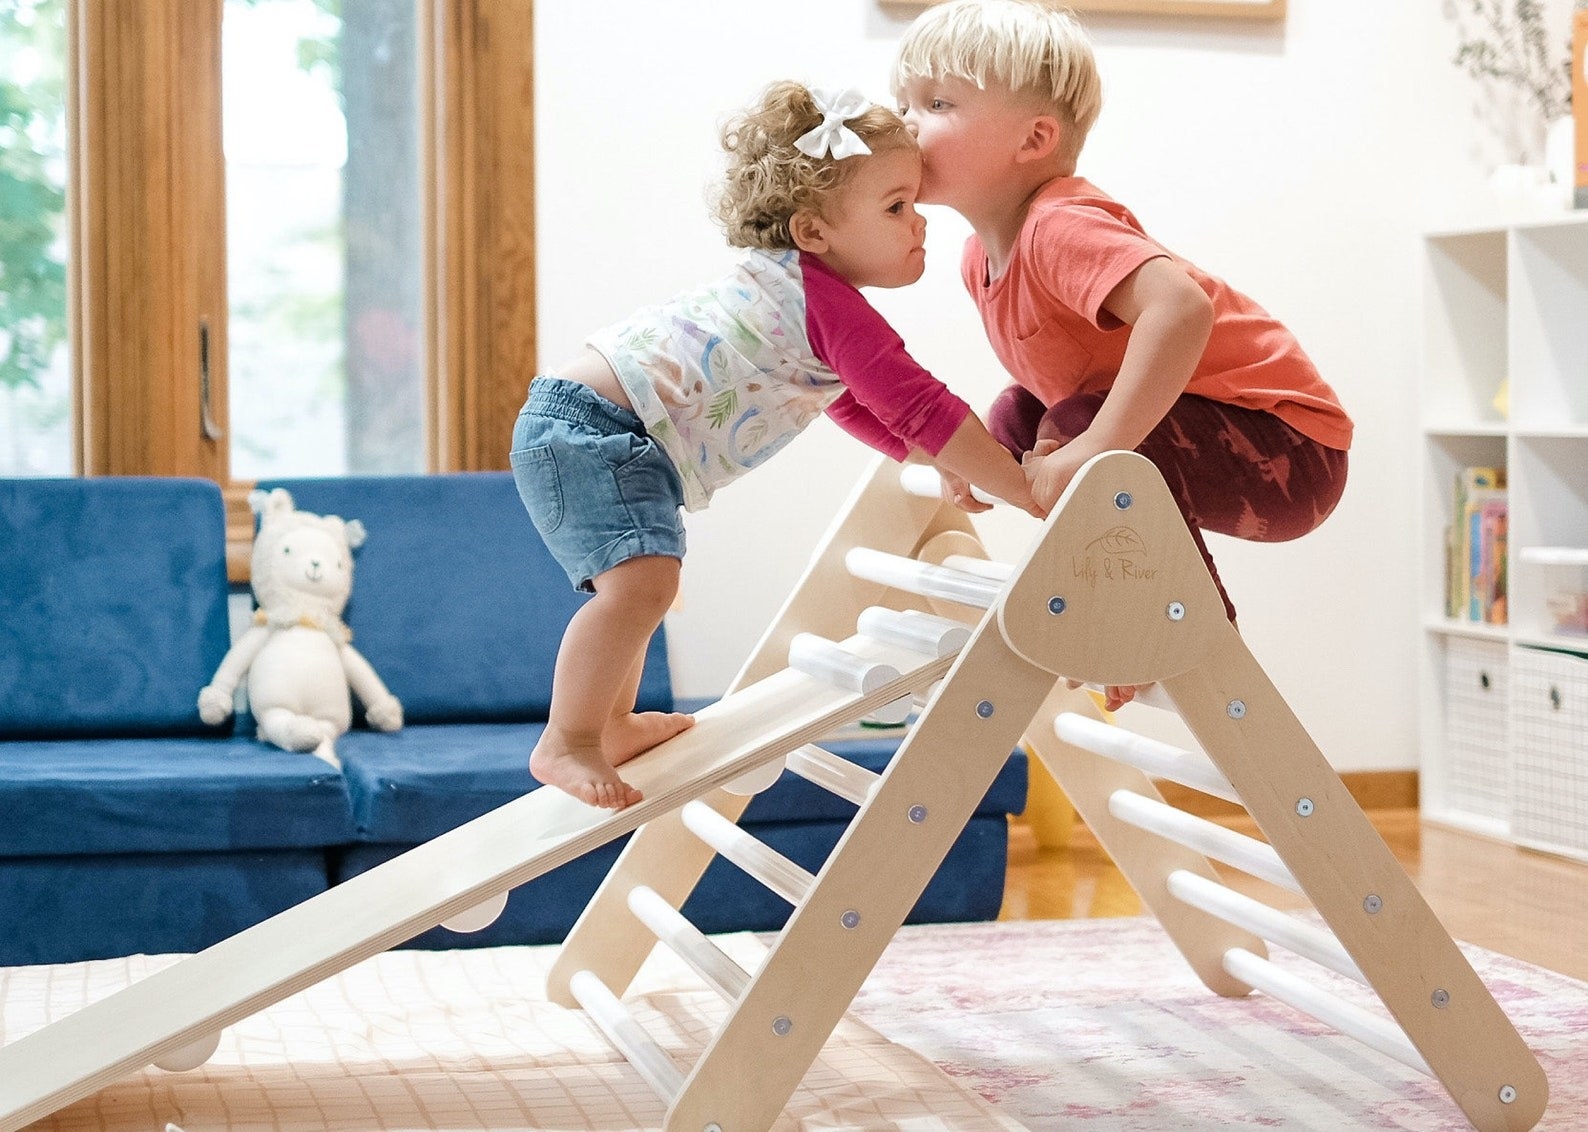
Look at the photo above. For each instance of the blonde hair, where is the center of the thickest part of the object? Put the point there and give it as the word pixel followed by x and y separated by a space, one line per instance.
pixel 1031 47
pixel 768 180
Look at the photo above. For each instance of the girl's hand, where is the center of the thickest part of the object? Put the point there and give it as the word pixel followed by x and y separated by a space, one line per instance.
pixel 957 493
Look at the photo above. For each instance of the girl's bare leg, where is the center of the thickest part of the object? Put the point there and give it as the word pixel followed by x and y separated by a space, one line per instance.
pixel 603 644
pixel 631 732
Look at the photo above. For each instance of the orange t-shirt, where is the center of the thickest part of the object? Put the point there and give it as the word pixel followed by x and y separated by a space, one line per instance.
pixel 1045 318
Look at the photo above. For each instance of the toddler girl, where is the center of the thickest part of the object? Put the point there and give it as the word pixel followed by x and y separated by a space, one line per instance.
pixel 662 409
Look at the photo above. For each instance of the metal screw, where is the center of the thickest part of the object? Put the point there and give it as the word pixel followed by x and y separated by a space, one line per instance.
pixel 1236 709
pixel 781 1025
pixel 712 1127
pixel 1372 905
pixel 1122 500
pixel 1056 605
pixel 1441 998
pixel 1304 807
pixel 985 709
pixel 1507 1094
pixel 917 814
pixel 850 919
pixel 1176 611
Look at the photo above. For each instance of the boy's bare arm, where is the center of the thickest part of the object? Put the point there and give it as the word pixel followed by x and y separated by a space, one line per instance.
pixel 1170 317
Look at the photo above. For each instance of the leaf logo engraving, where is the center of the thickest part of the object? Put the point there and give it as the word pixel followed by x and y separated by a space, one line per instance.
pixel 1116 555
pixel 1118 541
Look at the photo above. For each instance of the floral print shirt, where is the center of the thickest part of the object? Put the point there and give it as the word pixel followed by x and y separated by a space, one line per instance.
pixel 725 375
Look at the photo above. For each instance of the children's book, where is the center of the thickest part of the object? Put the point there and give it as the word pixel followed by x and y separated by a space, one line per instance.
pixel 1484 506
pixel 1496 520
pixel 1464 539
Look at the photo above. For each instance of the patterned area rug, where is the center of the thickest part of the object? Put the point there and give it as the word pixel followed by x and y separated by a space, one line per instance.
pixel 465 1040
pixel 1085 1024
pixel 1100 1024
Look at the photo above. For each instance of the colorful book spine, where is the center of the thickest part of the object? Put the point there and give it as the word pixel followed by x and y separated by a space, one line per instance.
pixel 1496 523
pixel 1463 539
pixel 1579 102
pixel 1485 525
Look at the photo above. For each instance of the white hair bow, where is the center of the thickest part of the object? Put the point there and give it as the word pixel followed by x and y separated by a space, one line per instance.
pixel 832 136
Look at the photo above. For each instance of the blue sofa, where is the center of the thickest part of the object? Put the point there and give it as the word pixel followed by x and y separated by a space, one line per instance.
pixel 127 825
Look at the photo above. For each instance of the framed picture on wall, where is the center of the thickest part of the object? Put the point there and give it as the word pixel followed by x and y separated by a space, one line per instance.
pixel 1226 9
pixel 1216 9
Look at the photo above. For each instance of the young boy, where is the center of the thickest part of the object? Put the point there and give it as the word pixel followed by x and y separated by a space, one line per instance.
pixel 1113 341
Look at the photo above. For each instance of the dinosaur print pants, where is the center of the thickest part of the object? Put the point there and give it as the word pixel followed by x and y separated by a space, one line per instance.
pixel 1239 472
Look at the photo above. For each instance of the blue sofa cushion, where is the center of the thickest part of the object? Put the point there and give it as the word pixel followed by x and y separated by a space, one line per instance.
pixel 113 606
pixel 68 909
pixel 82 797
pixel 456 601
pixel 417 783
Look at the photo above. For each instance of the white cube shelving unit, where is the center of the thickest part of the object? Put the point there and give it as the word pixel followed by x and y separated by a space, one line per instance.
pixel 1504 728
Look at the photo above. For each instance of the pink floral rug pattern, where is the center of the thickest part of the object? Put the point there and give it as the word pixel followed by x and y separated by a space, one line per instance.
pixel 1100 1024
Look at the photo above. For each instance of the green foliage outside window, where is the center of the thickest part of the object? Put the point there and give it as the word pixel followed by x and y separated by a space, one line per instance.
pixel 32 189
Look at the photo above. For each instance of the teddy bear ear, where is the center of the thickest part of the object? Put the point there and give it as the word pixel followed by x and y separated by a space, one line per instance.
pixel 268 504
pixel 355 534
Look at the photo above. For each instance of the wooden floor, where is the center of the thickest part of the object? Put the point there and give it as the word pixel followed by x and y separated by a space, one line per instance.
pixel 1524 904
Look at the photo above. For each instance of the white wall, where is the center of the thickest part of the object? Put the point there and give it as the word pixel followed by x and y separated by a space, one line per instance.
pixel 1299 161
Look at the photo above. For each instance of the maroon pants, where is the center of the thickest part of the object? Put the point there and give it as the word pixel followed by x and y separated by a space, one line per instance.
pixel 1240 472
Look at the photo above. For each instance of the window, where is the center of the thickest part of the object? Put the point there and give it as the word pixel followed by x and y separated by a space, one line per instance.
pixel 324 243
pixel 182 326
pixel 35 383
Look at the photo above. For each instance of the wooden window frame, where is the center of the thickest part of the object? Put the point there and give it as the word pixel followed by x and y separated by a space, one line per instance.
pixel 148 269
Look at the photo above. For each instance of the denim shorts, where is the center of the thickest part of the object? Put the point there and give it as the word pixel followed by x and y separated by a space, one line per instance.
pixel 599 490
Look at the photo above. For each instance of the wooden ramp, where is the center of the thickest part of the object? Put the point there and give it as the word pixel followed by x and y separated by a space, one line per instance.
pixel 899 602
pixel 176 1016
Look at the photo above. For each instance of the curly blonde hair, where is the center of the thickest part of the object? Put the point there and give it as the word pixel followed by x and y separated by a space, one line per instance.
pixel 768 180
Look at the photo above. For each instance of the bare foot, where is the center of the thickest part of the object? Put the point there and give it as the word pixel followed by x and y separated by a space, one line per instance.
pixel 637 732
pixel 1115 696
pixel 582 772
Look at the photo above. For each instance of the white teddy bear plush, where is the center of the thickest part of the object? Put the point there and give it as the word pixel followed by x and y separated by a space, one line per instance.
pixel 298 656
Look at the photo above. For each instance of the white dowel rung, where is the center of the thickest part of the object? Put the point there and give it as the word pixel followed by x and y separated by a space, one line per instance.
pixel 1379 1033
pixel 831 663
pixel 689 943
pixel 479 917
pixel 762 862
pixel 752 782
pixel 913 629
pixel 190 1056
pixel 982 567
pixel 833 773
pixel 627 1036
pixel 1208 838
pixel 1147 755
pixel 917 577
pixel 894 713
pixel 923 480
pixel 1269 923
